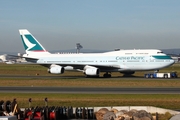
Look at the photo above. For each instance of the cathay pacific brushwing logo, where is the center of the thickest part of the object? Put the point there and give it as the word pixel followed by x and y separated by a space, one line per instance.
pixel 28 43
pixel 31 44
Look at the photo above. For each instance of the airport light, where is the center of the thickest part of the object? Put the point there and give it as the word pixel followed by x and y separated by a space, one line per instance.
pixel 30 100
pixel 78 47
pixel 46 101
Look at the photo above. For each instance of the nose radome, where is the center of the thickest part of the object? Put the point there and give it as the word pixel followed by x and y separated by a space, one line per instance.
pixel 172 61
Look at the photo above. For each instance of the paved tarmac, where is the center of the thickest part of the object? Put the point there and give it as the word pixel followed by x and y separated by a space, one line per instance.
pixel 86 90
pixel 89 90
pixel 76 77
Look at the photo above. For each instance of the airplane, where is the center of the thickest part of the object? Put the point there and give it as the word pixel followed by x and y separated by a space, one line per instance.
pixel 92 64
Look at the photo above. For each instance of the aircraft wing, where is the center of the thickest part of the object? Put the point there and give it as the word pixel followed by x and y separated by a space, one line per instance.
pixel 75 66
pixel 81 66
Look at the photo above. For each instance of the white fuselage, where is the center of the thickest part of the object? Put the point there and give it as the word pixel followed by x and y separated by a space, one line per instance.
pixel 123 60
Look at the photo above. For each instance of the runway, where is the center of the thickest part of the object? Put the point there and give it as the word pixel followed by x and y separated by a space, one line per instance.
pixel 89 90
pixel 76 77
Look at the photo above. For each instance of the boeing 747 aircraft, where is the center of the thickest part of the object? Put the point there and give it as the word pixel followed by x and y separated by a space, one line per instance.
pixel 91 64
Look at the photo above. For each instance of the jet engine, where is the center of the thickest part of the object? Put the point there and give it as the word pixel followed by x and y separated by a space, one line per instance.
pixel 56 69
pixel 91 71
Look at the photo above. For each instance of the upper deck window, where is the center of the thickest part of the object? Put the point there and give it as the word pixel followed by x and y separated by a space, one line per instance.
pixel 159 52
pixel 128 53
pixel 142 53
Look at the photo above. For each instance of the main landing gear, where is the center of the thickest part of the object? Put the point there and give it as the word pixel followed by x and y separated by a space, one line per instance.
pixel 106 75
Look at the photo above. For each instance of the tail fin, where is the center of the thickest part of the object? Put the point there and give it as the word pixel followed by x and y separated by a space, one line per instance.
pixel 31 45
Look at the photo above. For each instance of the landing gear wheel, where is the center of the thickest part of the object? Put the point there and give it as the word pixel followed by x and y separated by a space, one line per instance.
pixel 165 76
pixel 106 75
pixel 146 76
pixel 151 76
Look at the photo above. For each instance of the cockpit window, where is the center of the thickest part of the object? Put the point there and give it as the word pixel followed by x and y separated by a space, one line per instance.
pixel 159 52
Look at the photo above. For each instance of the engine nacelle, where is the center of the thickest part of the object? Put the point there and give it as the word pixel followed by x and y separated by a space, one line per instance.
pixel 92 71
pixel 56 69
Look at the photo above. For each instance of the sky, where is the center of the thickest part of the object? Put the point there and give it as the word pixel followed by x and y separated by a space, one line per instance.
pixel 95 24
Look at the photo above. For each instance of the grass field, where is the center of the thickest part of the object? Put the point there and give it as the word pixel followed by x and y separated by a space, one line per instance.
pixel 94 100
pixel 165 101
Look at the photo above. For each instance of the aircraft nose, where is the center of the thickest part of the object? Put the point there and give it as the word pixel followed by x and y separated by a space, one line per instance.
pixel 172 61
